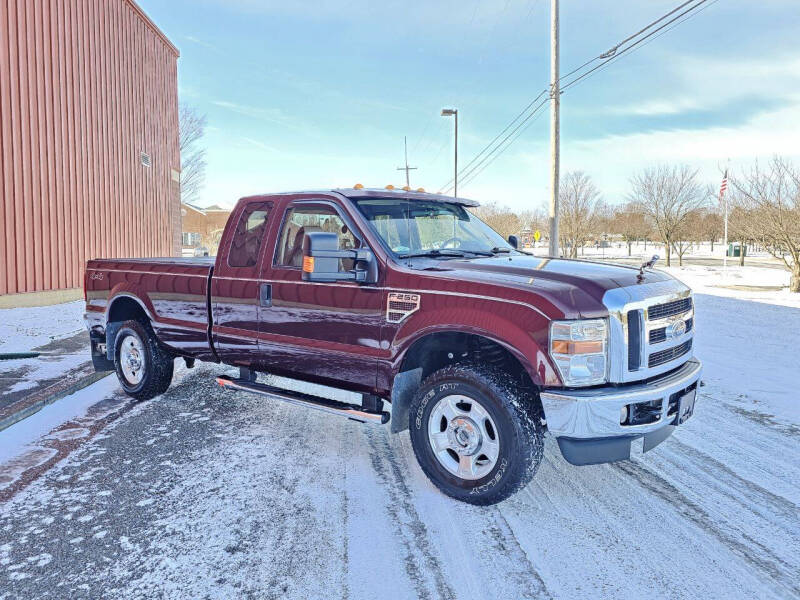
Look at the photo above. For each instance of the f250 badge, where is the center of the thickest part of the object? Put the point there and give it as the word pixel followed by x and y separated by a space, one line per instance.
pixel 96 276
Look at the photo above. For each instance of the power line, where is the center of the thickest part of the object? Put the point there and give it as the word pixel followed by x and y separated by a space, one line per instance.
pixel 619 54
pixel 466 173
pixel 507 127
pixel 471 170
pixel 612 51
pixel 496 156
pixel 651 39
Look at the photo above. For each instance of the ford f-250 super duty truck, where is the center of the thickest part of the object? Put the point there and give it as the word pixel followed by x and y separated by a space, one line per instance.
pixel 407 297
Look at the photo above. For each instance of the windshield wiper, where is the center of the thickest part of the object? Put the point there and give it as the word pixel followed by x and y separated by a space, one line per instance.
pixel 434 252
pixel 499 250
pixel 457 252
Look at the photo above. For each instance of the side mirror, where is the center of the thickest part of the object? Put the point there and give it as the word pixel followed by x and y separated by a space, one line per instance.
pixel 321 259
pixel 512 239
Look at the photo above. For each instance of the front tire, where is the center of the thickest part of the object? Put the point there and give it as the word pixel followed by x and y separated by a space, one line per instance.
pixel 143 368
pixel 476 435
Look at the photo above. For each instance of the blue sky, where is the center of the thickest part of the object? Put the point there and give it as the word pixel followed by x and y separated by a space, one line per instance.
pixel 311 95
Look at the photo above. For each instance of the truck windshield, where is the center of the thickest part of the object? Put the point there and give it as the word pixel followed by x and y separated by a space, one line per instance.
pixel 424 228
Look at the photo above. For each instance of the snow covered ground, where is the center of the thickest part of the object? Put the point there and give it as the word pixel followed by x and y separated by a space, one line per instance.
pixel 22 329
pixel 208 493
pixel 56 331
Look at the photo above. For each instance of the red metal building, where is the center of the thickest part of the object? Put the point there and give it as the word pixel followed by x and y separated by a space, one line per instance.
pixel 89 158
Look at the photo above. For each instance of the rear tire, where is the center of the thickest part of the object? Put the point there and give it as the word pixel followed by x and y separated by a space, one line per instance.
pixel 476 435
pixel 143 368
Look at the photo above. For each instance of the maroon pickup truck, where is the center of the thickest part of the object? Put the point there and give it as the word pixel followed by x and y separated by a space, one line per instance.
pixel 407 298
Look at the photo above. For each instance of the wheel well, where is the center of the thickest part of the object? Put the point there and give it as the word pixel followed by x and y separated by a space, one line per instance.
pixel 127 309
pixel 437 350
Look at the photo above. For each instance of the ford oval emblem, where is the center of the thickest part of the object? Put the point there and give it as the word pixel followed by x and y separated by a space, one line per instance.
pixel 676 329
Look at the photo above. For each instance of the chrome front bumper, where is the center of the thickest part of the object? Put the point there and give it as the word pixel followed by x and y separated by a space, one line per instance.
pixel 590 418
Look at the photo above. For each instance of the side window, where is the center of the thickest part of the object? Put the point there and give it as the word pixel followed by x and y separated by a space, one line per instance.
pixel 249 235
pixel 301 220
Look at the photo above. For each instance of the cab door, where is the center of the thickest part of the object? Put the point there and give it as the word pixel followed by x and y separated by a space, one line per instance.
pixel 235 286
pixel 323 332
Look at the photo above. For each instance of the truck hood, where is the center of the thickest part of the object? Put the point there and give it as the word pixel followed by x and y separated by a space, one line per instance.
pixel 574 287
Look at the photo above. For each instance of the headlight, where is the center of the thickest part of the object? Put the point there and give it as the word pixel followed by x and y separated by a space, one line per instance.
pixel 580 350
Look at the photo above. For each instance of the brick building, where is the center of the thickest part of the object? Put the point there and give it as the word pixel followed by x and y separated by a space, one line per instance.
pixel 202 227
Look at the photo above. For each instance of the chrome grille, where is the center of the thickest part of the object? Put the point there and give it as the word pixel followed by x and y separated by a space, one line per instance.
pixel 634 340
pixel 670 354
pixel 660 335
pixel 668 309
pixel 642 334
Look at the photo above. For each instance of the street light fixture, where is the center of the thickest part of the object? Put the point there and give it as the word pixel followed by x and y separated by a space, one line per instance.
pixel 453 112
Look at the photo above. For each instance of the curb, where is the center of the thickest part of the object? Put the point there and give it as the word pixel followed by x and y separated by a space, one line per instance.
pixel 36 406
pixel 18 355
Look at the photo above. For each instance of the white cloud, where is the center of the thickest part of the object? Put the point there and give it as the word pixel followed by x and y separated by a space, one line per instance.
pixel 659 107
pixel 775 132
pixel 710 83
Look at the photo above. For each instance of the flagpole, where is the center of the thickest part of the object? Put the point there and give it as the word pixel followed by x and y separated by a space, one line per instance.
pixel 725 200
pixel 725 243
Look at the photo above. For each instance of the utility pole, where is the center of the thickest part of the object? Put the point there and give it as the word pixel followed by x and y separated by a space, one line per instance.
pixel 554 128
pixel 406 168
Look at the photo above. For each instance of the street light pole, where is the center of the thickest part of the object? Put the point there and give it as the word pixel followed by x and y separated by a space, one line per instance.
pixel 554 128
pixel 453 112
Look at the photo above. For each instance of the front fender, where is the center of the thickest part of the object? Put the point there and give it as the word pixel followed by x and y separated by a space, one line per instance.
pixel 521 331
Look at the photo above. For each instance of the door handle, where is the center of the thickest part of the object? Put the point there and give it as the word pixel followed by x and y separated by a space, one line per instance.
pixel 265 294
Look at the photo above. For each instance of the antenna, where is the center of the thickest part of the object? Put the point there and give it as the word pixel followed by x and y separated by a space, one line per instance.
pixel 406 168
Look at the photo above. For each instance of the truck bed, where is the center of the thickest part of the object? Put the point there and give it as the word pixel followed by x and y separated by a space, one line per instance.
pixel 172 291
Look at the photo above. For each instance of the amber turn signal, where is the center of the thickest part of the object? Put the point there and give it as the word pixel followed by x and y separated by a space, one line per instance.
pixel 586 347
pixel 308 264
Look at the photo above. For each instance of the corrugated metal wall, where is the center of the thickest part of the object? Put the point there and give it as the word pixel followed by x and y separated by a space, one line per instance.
pixel 86 86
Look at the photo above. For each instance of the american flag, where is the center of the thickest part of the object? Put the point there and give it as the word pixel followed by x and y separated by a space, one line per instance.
pixel 724 185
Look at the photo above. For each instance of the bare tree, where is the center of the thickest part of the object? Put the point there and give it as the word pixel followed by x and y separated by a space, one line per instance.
pixel 770 205
pixel 192 126
pixel 631 223
pixel 687 234
pixel 500 218
pixel 668 195
pixel 710 225
pixel 579 206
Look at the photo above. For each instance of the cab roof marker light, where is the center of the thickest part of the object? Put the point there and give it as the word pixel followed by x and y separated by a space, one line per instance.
pixel 358 186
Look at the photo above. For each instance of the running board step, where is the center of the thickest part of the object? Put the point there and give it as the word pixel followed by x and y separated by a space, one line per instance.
pixel 333 407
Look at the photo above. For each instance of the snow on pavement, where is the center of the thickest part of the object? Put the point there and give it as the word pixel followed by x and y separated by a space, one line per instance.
pixel 22 329
pixel 207 493
pixel 57 331
pixel 19 436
